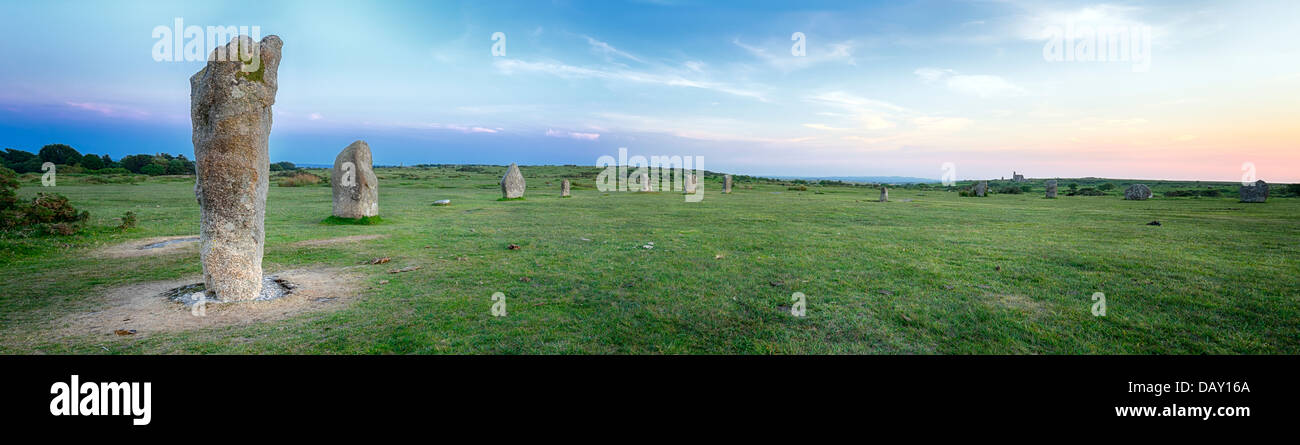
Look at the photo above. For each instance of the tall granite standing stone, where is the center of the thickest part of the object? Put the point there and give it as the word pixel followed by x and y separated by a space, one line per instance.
pixel 356 189
pixel 1255 193
pixel 884 194
pixel 230 108
pixel 690 184
pixel 512 183
pixel 1051 188
pixel 1137 192
pixel 564 189
pixel 645 182
pixel 726 184
pixel 981 188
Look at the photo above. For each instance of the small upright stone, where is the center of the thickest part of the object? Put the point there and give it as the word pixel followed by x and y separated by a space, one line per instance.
pixel 564 189
pixel 1051 188
pixel 230 109
pixel 512 183
pixel 645 182
pixel 726 184
pixel 1137 192
pixel 884 194
pixel 356 189
pixel 981 188
pixel 689 184
pixel 1255 193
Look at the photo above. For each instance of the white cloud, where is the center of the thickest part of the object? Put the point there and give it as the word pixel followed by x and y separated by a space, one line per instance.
pixel 510 66
pixel 572 135
pixel 980 85
pixel 607 50
pixel 941 124
pixel 784 61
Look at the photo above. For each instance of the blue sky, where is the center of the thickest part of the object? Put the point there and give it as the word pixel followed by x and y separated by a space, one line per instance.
pixel 884 88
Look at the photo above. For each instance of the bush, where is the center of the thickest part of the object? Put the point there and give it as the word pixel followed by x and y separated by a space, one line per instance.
pixel 134 163
pixel 1106 187
pixel 110 171
pixel 1011 190
pixel 283 166
pixel 128 221
pixel 92 162
pixel 60 154
pixel 48 213
pixel 300 179
pixel 801 188
pixel 153 170
pixel 1293 189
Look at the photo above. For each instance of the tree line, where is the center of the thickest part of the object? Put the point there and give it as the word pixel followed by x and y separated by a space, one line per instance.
pixel 63 155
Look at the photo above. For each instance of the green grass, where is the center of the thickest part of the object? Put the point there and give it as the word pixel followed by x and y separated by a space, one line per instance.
pixel 928 272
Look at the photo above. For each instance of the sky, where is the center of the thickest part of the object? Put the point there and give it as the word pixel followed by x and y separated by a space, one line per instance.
pixel 1201 89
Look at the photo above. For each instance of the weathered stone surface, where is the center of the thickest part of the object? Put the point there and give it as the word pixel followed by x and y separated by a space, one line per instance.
pixel 1137 192
pixel 726 184
pixel 645 182
pixel 1255 193
pixel 230 108
pixel 690 183
pixel 512 183
pixel 1051 188
pixel 981 188
pixel 356 189
pixel 564 188
pixel 884 194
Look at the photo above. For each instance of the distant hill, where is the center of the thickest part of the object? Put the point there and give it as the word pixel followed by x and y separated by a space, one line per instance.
pixel 862 179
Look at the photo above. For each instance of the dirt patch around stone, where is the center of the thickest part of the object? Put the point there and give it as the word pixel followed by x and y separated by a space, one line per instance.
pixel 162 245
pixel 339 240
pixel 150 308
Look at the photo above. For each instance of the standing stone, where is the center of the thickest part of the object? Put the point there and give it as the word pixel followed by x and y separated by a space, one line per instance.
pixel 512 183
pixel 564 189
pixel 645 182
pixel 981 188
pixel 230 108
pixel 1255 193
pixel 690 184
pixel 726 184
pixel 1137 192
pixel 1051 188
pixel 356 189
pixel 884 194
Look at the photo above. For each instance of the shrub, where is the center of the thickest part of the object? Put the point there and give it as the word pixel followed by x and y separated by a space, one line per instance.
pixel 153 170
pixel 48 213
pixel 60 154
pixel 300 179
pixel 1293 189
pixel 1106 187
pixel 92 162
pixel 110 171
pixel 801 188
pixel 1086 191
pixel 1011 190
pixel 283 166
pixel 128 221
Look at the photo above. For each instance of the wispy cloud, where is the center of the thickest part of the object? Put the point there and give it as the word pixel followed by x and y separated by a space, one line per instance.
pixel 573 135
pixel 110 110
pixel 510 66
pixel 608 50
pixel 785 61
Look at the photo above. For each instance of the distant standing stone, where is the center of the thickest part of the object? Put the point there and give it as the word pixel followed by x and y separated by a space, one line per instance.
pixel 1255 193
pixel 981 188
pixel 564 188
pixel 356 189
pixel 645 182
pixel 512 183
pixel 230 109
pixel 1137 192
pixel 726 184
pixel 689 184
pixel 442 202
pixel 1051 188
pixel 884 194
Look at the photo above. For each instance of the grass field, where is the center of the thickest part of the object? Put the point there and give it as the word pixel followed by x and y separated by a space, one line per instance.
pixel 929 272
